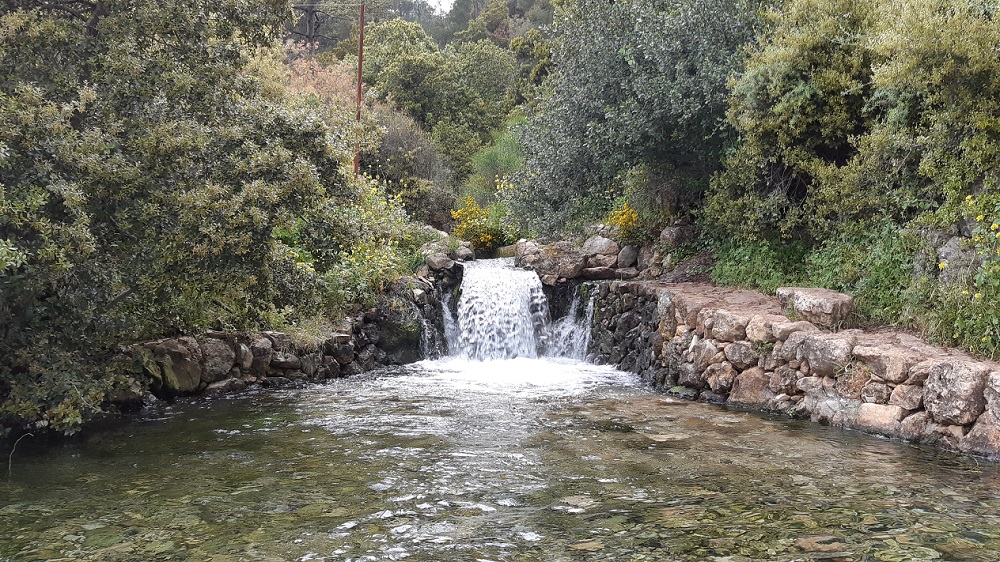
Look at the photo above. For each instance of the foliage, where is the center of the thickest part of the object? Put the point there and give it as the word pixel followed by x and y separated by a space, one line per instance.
pixel 875 267
pixel 969 312
pixel 763 266
pixel 500 160
pixel 486 227
pixel 633 82
pixel 852 113
pixel 158 175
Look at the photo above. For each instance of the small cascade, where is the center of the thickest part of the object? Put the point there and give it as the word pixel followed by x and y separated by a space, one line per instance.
pixel 502 313
pixel 570 335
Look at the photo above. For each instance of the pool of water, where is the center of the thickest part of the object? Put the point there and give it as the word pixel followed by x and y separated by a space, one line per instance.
pixel 512 460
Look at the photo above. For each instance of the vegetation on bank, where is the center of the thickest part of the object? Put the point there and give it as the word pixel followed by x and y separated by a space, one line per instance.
pixel 172 167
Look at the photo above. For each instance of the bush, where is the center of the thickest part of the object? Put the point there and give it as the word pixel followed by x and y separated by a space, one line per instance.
pixel 876 268
pixel 487 228
pixel 968 311
pixel 763 266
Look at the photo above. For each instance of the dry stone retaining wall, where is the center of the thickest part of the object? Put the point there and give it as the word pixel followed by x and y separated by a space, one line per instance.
pixel 741 348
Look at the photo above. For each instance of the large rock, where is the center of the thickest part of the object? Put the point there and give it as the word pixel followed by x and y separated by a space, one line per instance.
pixel 759 327
pixel 720 377
pixel 180 360
pixel 907 396
pixel 438 261
pixel 602 260
pixel 742 355
pixel 673 236
pixel 783 329
pixel 599 245
pixel 729 326
pixel 984 438
pixel 561 259
pixel 954 392
pixel 879 418
pixel 751 388
pixel 819 306
pixel 288 361
pixel 219 359
pixel 828 353
pixel 628 256
pixel 244 358
pixel 598 273
pixel 702 354
pixel 262 349
pixel 890 363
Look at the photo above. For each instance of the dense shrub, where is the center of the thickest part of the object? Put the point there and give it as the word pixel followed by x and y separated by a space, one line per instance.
pixel 632 82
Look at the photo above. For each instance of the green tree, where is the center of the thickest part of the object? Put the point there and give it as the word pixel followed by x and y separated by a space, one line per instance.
pixel 144 169
pixel 633 82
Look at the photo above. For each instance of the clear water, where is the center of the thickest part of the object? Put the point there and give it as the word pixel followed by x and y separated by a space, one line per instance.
pixel 508 459
pixel 512 460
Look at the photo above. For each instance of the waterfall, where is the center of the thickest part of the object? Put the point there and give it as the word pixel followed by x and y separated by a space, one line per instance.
pixel 502 313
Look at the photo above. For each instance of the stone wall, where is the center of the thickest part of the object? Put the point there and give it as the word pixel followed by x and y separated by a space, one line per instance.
pixel 786 354
pixel 405 327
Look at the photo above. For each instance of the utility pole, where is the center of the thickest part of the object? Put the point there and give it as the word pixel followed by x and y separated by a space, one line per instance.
pixel 361 58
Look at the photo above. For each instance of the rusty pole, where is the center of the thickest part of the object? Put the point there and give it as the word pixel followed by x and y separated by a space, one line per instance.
pixel 361 58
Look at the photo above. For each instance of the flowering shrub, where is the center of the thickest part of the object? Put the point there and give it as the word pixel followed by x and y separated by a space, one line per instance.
pixel 970 309
pixel 485 227
pixel 626 220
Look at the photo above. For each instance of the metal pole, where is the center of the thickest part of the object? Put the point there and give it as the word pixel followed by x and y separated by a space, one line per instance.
pixel 361 58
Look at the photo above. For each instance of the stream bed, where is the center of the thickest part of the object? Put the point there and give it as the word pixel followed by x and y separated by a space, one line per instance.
pixel 508 460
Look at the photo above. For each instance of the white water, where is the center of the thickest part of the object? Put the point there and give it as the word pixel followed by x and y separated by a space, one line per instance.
pixel 503 314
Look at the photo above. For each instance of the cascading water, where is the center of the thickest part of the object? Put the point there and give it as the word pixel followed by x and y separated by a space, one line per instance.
pixel 502 313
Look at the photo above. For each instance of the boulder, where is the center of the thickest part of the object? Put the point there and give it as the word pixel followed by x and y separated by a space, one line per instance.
pixel 262 350
pixel 751 388
pixel 820 306
pixel 648 257
pixel 783 329
pixel 673 236
pixel 690 376
pixel 992 393
pixel 954 392
pixel 720 377
pixel 598 273
pixel 464 253
pixel 876 393
pixel 628 256
pixel 438 261
pixel 342 352
pixel 729 326
pixel 759 327
pixel 288 361
pixel 219 359
pixel 311 363
pixel 879 418
pixel 601 260
pixel 907 396
pixel 784 381
pixel 828 353
pixel 983 439
pixel 225 386
pixel 890 363
pixel 742 355
pixel 599 245
pixel 917 427
pixel 244 358
pixel 702 353
pixel 180 363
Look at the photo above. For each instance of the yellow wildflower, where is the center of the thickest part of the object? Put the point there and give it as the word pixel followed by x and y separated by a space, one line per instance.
pixel 977 296
pixel 986 339
pixel 979 218
pixel 942 265
pixel 994 226
pixel 965 292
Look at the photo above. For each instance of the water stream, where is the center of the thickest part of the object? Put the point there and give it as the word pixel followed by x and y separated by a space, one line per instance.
pixel 525 457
